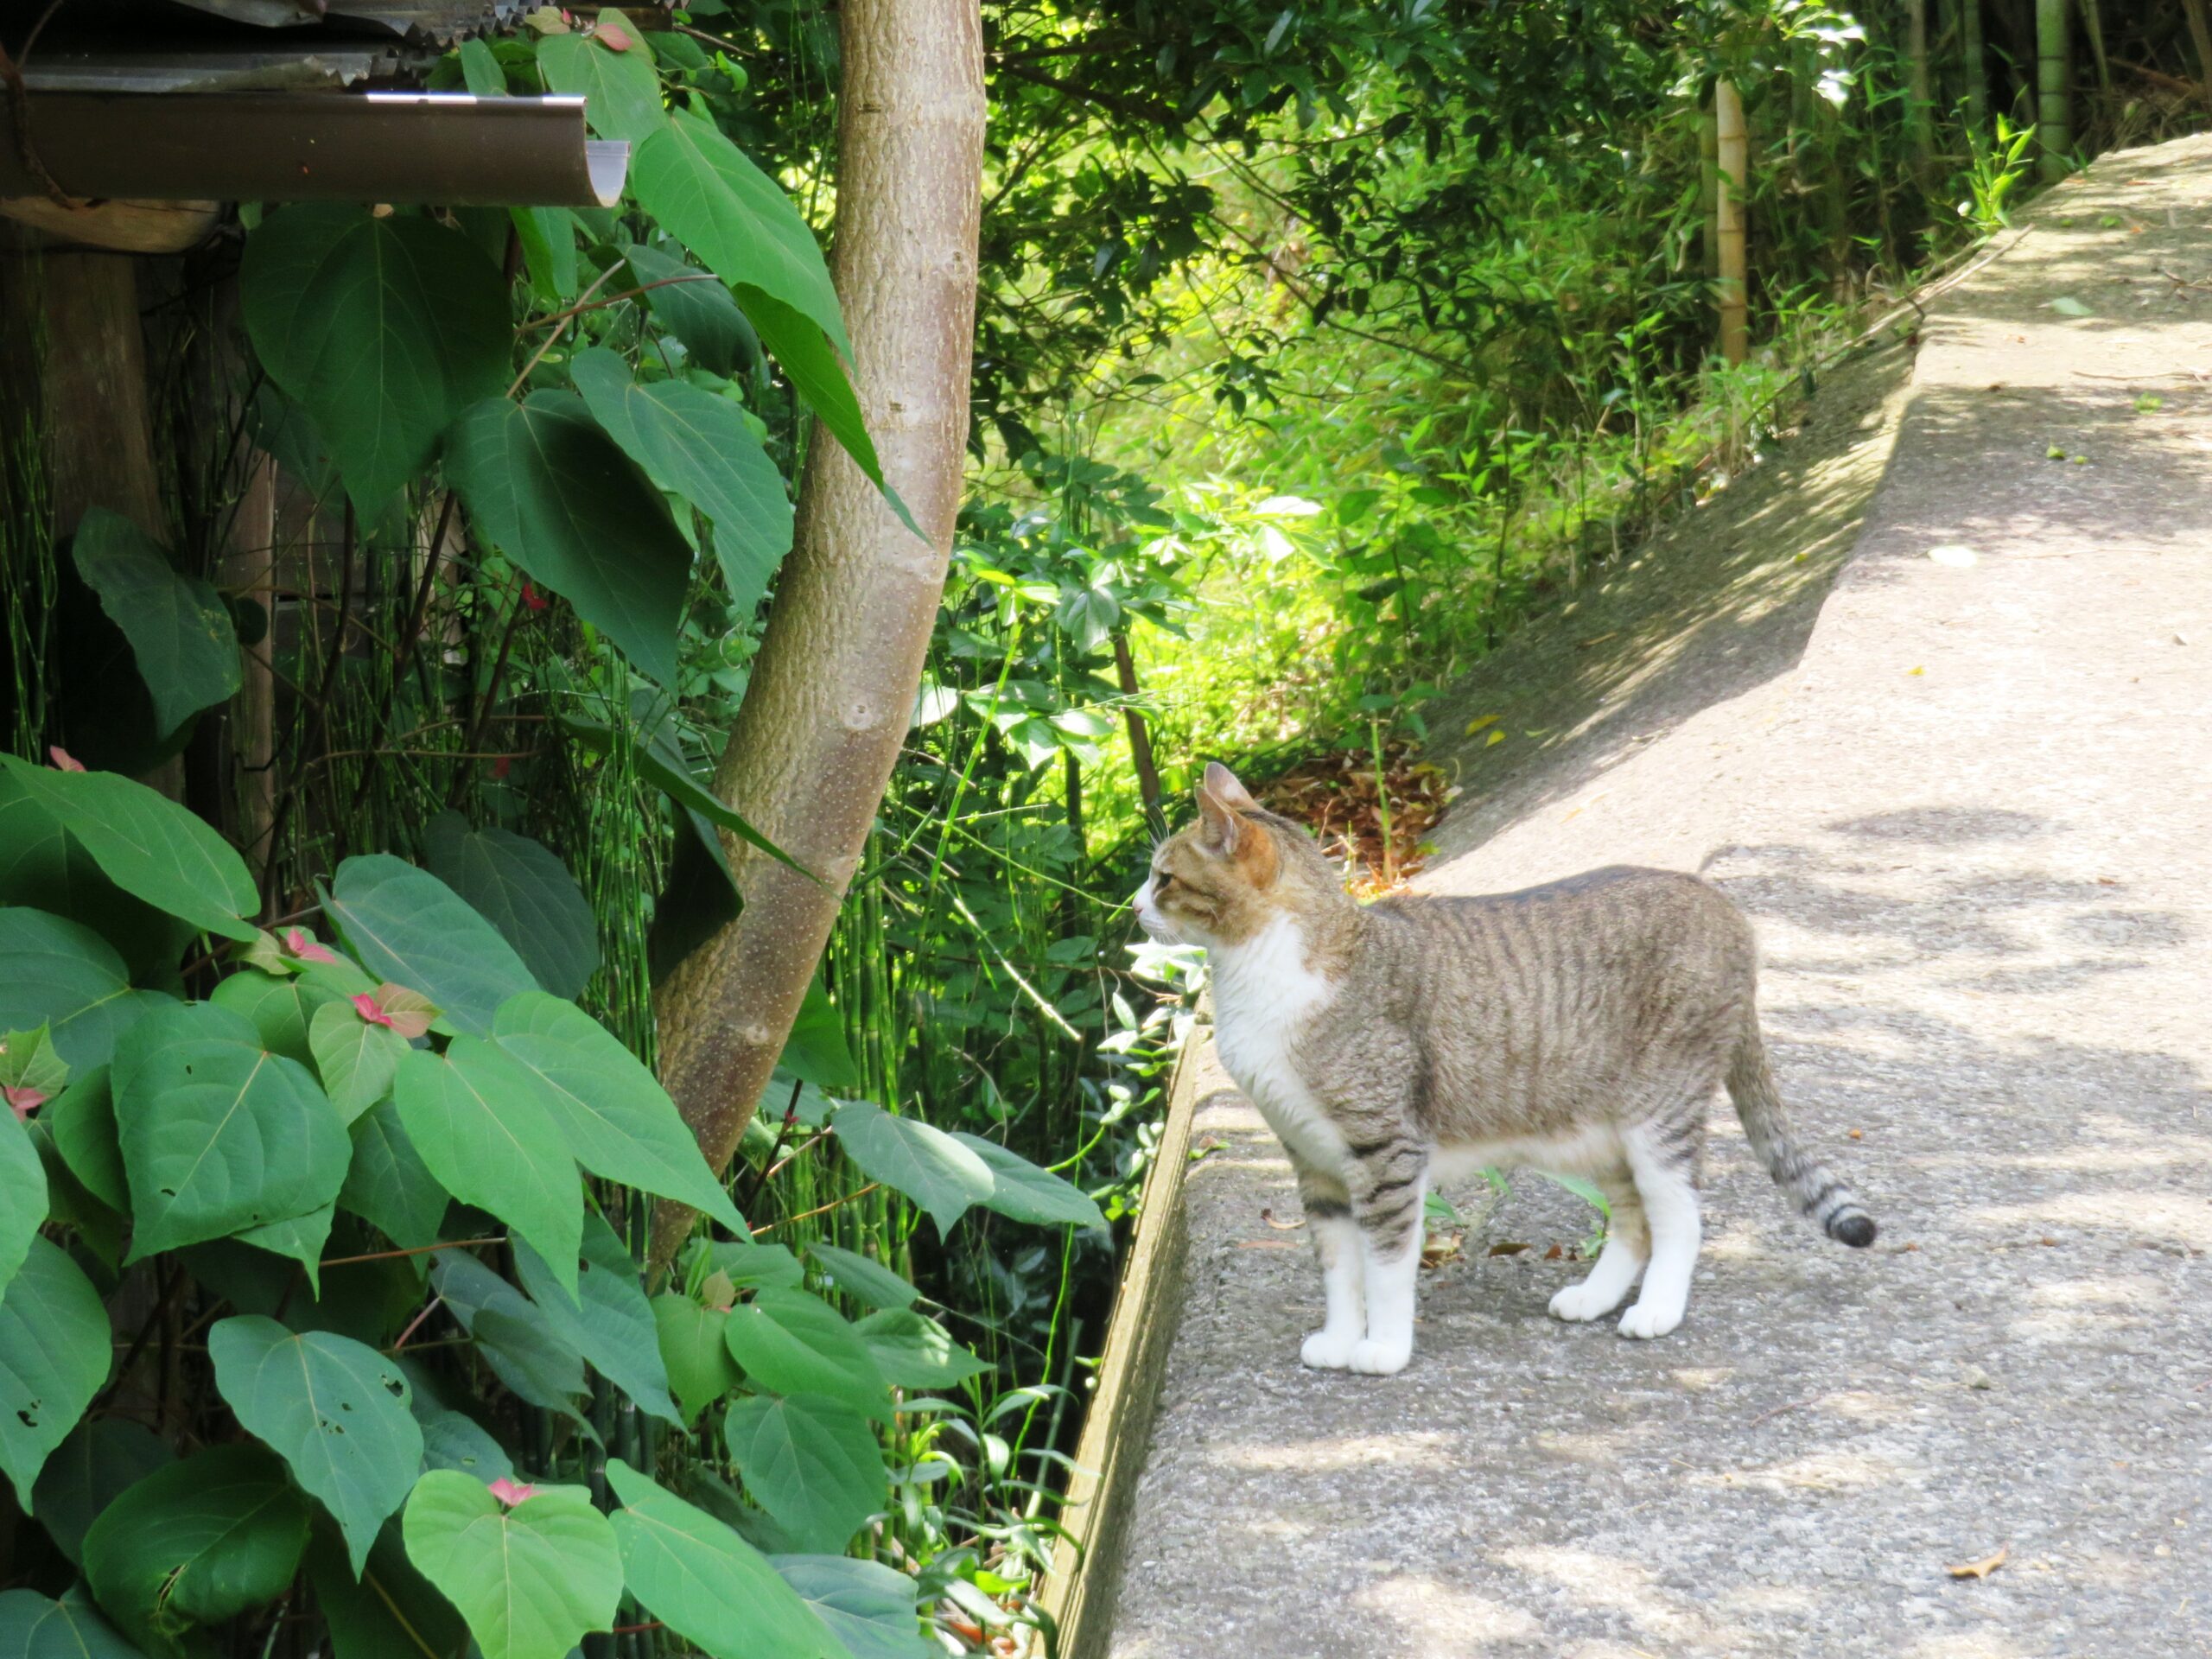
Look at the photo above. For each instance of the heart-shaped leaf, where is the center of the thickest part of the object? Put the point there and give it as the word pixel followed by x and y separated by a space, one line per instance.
pixel 81 1120
pixel 616 1119
pixel 793 1343
pixel 388 1183
pixel 384 329
pixel 915 1352
pixel 33 1626
pixel 694 306
pixel 358 1059
pixel 703 189
pixel 43 867
pixel 454 1440
pixel 147 845
pixel 54 1356
pixel 23 1196
pixel 697 445
pixel 512 1333
pixel 475 1119
pixel 409 927
pixel 621 93
pixel 606 1319
pixel 555 494
pixel 182 637
pixel 336 1410
pixel 866 1605
pixel 297 1238
pixel 196 1543
pixel 697 1361
pixel 530 1581
pixel 704 1582
pixel 869 1281
pixel 278 1007
pixel 218 1134
pixel 101 1459
pixel 927 1165
pixel 812 1463
pixel 66 978
pixel 1026 1193
pixel 527 892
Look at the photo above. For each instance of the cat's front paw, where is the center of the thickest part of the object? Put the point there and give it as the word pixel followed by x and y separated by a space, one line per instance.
pixel 1645 1319
pixel 1380 1358
pixel 1579 1303
pixel 1329 1350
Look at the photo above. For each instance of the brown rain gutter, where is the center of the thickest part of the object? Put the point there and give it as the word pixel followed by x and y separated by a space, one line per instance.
pixel 447 149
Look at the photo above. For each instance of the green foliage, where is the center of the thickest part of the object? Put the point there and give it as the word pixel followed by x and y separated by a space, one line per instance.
pixel 811 1462
pixel 527 892
pixel 530 1580
pixel 187 650
pixel 54 1355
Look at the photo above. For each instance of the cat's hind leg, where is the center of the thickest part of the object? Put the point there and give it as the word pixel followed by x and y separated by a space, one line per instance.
pixel 1663 1157
pixel 1387 1183
pixel 1342 1251
pixel 1628 1247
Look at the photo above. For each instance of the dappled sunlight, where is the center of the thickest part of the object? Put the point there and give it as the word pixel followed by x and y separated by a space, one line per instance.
pixel 1327 1455
pixel 1443 1620
pixel 1833 1469
pixel 2183 1218
pixel 1628 1589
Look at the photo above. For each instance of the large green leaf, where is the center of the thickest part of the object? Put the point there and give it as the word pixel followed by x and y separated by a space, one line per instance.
pixel 454 1440
pixel 819 377
pixel 388 1185
pixel 915 1352
pixel 524 890
pixel 700 1370
pixel 812 1463
pixel 103 1457
pixel 530 1581
pixel 218 1134
pixel 794 1342
pixel 613 1116
pixel 34 1627
pixel 703 190
pixel 357 1057
pixel 384 329
pixel 661 764
pixel 54 1356
pixel 297 1238
pixel 704 1582
pixel 277 1006
pixel 870 1281
pixel 390 1611
pixel 68 978
pixel 336 1410
pixel 866 1605
pixel 147 845
pixel 555 494
pixel 815 1051
pixel 23 1196
pixel 621 93
pixel 512 1332
pixel 1026 1193
pixel 43 867
pixel 697 445
pixel 606 1320
pixel 475 1118
pixel 927 1165
pixel 196 1543
pixel 186 650
pixel 696 307
pixel 547 234
pixel 81 1120
pixel 410 928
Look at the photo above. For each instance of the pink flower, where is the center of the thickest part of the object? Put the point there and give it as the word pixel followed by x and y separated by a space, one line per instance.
pixel 530 596
pixel 396 1008
pixel 370 1009
pixel 614 39
pixel 304 948
pixel 65 760
pixel 23 1100
pixel 510 1494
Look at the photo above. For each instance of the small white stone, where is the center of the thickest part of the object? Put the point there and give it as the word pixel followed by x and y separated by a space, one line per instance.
pixel 1953 554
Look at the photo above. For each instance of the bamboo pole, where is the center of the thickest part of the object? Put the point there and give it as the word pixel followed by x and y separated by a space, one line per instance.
pixel 2093 25
pixel 1977 64
pixel 2053 117
pixel 1732 148
pixel 2200 35
pixel 1708 156
pixel 1920 103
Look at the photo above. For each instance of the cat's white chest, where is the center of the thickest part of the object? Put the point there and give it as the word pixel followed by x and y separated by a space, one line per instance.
pixel 1263 997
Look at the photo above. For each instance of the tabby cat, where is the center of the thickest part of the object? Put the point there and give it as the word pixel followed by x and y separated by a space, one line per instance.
pixel 1580 1028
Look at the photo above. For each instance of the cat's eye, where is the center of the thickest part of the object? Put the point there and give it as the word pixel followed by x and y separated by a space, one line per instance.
pixel 1161 880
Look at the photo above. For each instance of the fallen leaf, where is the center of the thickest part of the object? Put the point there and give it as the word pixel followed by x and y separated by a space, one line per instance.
pixel 1554 1252
pixel 1493 739
pixel 1510 1248
pixel 1268 1215
pixel 1982 1568
pixel 1909 672
pixel 1858 1135
pixel 2067 306
pixel 1481 720
pixel 1595 640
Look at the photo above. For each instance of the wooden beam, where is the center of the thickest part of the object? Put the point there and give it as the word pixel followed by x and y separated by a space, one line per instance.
pixel 116 226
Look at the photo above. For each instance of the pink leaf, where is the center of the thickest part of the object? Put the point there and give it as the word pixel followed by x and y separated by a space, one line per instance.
pixel 304 948
pixel 23 1100
pixel 64 759
pixel 370 1009
pixel 614 39
pixel 509 1493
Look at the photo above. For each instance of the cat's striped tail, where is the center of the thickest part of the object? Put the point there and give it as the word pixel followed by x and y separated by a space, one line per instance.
pixel 1833 1207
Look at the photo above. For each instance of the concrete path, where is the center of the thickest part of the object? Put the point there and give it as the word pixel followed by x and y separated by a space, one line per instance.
pixel 1969 806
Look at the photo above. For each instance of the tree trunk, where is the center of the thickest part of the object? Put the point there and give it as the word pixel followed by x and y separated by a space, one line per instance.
pixel 1125 670
pixel 1734 148
pixel 833 692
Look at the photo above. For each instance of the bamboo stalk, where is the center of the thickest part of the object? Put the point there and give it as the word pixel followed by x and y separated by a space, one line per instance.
pixel 2093 25
pixel 2054 114
pixel 1733 147
pixel 1977 64
pixel 1708 153
pixel 2199 35
pixel 1920 104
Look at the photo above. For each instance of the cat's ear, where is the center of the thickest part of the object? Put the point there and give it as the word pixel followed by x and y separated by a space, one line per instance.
pixel 1220 828
pixel 1221 784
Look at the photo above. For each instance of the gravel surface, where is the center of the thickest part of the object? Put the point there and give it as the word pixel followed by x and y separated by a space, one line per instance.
pixel 1966 804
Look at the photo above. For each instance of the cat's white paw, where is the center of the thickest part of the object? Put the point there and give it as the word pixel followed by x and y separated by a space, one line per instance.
pixel 1380 1358
pixel 1329 1350
pixel 1645 1319
pixel 1577 1303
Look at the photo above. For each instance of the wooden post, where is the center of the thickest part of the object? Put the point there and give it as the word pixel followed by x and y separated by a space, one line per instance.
pixel 2053 116
pixel 1732 145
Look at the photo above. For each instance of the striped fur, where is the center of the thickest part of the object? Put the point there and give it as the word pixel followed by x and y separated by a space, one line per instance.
pixel 1581 1027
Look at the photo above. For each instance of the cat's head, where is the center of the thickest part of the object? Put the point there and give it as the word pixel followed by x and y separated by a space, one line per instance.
pixel 1233 869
